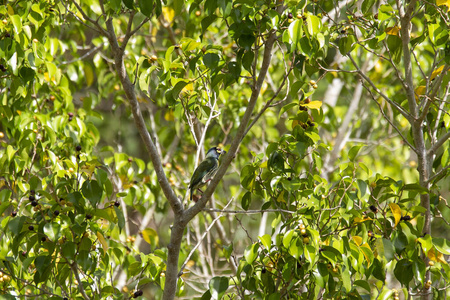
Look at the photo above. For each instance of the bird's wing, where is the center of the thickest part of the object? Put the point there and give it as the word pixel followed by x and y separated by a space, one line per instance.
pixel 202 170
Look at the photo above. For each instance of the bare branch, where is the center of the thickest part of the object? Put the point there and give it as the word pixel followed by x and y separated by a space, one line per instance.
pixel 97 27
pixel 389 120
pixel 247 212
pixel 201 239
pixel 368 80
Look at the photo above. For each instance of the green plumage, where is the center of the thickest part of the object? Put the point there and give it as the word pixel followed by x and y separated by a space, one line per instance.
pixel 205 170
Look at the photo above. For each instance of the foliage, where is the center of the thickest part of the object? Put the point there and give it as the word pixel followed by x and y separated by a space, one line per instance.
pixel 330 196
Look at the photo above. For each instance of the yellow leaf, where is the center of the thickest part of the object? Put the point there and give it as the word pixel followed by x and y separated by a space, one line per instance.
pixel 419 91
pixel 10 10
pixel 263 165
pixel 264 87
pixel 437 71
pixel 188 88
pixel 281 197
pixel 439 257
pixel 150 236
pixel 89 74
pixel 102 241
pixel 359 220
pixel 295 123
pixel 357 240
pixel 392 30
pixel 168 116
pixel 313 105
pixel 168 13
pixel 396 211
pixel 443 2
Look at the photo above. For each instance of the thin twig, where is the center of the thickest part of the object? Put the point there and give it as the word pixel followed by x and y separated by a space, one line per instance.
pixel 201 239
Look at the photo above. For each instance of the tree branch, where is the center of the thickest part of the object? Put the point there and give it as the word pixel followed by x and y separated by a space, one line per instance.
pixel 226 161
pixel 139 121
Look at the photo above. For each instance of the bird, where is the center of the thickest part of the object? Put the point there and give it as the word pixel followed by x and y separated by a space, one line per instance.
pixel 205 170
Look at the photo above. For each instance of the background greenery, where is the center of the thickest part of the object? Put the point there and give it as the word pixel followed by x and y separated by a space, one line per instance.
pixel 336 181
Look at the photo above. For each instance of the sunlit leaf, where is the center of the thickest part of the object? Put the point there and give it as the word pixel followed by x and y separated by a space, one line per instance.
pixel 396 211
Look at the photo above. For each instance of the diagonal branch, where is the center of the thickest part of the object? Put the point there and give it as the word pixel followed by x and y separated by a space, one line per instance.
pixel 389 121
pixel 202 238
pixel 369 81
pixel 139 121
pixel 97 27
pixel 191 212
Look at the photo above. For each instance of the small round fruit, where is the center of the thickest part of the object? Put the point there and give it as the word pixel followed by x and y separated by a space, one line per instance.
pixel 88 216
pixel 303 231
pixel 13 213
pixel 34 203
pixel 301 226
pixel 35 41
pixel 2 135
pixel 154 58
pixel 130 159
pixel 5 21
pixel 116 203
pixel 312 82
pixel 431 263
pixel 56 213
pixel 43 239
pixel 315 86
pixel 290 16
pixel 78 148
pixel 137 294
pixel 71 170
pixel 198 13
pixel 307 100
pixel 306 240
pixel 32 198
pixel 290 20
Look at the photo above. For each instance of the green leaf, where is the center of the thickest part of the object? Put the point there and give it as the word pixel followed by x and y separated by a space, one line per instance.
pixel 129 3
pixel 295 32
pixel 266 240
pixel 146 7
pixel 310 254
pixel 426 243
pixel 218 286
pixel 246 200
pixel 52 231
pixel 367 5
pixel 442 245
pixel 353 152
pixel 419 270
pixel 211 60
pixel 251 253
pixel 120 217
pixel 404 271
pixel 5 195
pixel 69 249
pixel 207 21
pixel 15 225
pixel 92 191
pixel 346 44
pixel 313 24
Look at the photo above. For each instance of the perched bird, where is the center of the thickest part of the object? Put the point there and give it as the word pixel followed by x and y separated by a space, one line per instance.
pixel 205 170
